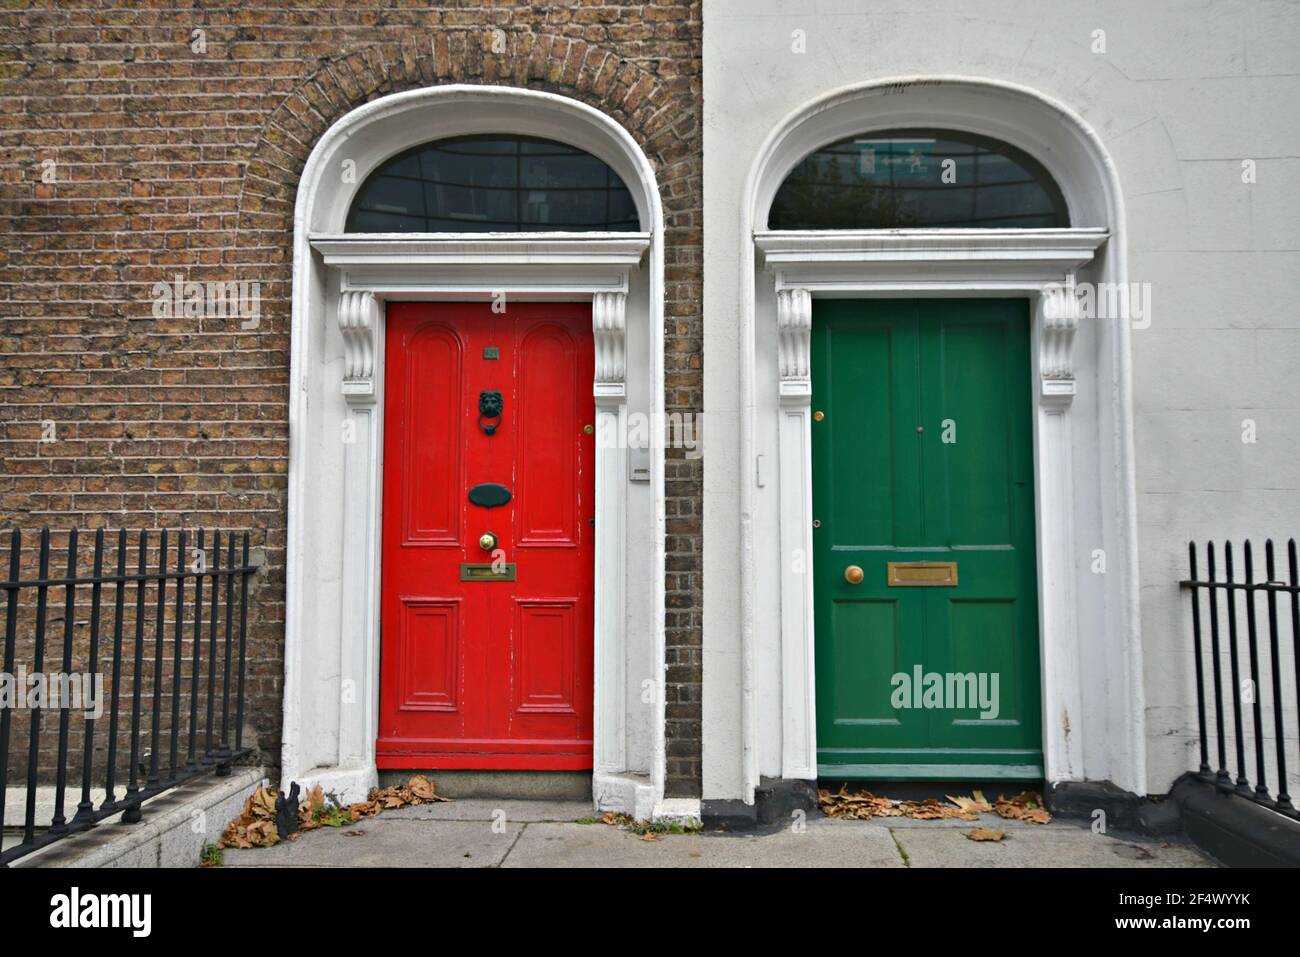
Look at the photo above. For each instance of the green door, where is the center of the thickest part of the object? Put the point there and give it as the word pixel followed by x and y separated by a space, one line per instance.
pixel 927 668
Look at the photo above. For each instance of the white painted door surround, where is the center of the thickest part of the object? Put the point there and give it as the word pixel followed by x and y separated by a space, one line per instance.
pixel 340 284
pixel 1091 652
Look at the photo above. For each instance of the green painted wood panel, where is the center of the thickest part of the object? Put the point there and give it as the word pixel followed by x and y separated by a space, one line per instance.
pixel 925 453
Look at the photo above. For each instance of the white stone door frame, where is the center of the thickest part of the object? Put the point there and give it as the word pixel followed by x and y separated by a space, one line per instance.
pixel 1104 738
pixel 584 267
pixel 1038 265
pixel 341 282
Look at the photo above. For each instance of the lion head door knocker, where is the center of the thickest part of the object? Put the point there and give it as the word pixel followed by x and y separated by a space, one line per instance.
pixel 490 405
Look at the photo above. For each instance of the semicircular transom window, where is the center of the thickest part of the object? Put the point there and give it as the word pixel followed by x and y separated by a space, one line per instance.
pixel 900 179
pixel 493 183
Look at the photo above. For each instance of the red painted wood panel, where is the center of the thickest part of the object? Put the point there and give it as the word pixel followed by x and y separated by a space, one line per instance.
pixel 431 386
pixel 487 674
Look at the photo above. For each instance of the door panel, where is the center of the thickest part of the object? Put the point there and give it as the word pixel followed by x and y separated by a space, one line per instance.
pixel 871 646
pixel 924 454
pixel 863 381
pixel 430 642
pixel 431 399
pixel 967 359
pixel 548 398
pixel 492 671
pixel 544 672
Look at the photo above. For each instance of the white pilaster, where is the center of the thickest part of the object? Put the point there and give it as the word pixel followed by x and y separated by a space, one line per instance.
pixel 609 327
pixel 359 598
pixel 798 676
pixel 1056 318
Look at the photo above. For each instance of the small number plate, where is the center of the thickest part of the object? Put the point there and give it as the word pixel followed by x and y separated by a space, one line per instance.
pixel 491 352
pixel 487 572
pixel 922 574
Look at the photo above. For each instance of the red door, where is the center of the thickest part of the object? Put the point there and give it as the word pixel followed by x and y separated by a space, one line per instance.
pixel 487 647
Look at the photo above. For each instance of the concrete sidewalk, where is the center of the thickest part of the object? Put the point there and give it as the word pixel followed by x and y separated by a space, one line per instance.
pixel 485 833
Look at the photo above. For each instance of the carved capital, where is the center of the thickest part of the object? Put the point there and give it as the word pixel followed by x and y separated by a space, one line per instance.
pixel 1057 315
pixel 794 336
pixel 609 327
pixel 359 323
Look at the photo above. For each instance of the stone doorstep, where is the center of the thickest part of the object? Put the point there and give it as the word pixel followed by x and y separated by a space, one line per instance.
pixel 166 837
pixel 683 811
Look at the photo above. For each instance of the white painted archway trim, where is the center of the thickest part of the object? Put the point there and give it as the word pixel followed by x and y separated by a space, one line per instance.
pixel 340 283
pixel 1106 740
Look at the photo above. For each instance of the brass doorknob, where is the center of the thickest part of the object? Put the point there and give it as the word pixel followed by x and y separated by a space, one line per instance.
pixel 854 575
pixel 487 541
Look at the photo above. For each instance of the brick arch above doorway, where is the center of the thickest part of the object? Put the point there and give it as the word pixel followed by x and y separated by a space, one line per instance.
pixel 651 108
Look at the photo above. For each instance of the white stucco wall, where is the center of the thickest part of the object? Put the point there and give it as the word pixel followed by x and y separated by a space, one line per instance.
pixel 1184 92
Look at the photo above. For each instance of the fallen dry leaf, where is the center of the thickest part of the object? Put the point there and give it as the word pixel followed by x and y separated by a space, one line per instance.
pixel 985 834
pixel 1025 806
pixel 423 789
pixel 975 804
pixel 250 834
pixel 308 807
pixel 314 799
pixel 262 803
pixel 864 805
pixel 255 826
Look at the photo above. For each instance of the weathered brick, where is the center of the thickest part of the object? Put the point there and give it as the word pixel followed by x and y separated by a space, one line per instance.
pixel 168 161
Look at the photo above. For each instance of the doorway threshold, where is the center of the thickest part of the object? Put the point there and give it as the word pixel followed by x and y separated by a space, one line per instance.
pixel 520 785
pixel 931 772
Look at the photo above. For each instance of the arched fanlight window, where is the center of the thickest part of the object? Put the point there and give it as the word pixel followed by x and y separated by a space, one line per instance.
pixel 492 183
pixel 918 178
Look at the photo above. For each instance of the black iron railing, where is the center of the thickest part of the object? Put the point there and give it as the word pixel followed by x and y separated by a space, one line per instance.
pixel 129 630
pixel 1263 676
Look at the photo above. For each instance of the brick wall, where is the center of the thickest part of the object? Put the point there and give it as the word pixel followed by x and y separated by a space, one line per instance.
pixel 134 149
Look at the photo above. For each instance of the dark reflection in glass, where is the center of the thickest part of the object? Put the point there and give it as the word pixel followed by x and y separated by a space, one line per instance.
pixel 918 178
pixel 492 183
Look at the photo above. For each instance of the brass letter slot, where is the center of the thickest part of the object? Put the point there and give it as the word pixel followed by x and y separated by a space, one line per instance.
pixel 923 574
pixel 486 572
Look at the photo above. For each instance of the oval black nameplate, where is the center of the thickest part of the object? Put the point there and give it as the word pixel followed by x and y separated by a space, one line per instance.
pixel 489 494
